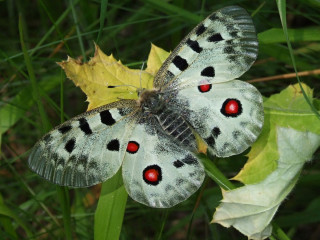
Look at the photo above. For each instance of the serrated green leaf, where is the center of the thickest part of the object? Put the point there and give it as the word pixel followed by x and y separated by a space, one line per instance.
pixel 251 208
pixel 286 109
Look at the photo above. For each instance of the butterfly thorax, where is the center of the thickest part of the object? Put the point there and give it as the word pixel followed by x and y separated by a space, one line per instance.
pixel 170 122
pixel 151 101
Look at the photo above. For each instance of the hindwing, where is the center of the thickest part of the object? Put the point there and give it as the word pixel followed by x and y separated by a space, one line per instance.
pixel 157 172
pixel 228 115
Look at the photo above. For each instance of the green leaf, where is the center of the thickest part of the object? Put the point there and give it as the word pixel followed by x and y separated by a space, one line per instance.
pixel 276 35
pixel 251 208
pixel 110 210
pixel 281 53
pixel 286 109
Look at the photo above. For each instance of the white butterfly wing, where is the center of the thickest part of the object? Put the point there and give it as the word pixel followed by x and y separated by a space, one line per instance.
pixel 157 172
pixel 228 116
pixel 220 48
pixel 87 149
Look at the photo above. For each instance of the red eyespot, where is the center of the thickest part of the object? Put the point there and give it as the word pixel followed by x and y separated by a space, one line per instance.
pixel 231 108
pixel 132 147
pixel 152 174
pixel 205 88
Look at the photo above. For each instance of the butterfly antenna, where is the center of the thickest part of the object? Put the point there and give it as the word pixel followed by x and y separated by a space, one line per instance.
pixel 141 74
pixel 124 85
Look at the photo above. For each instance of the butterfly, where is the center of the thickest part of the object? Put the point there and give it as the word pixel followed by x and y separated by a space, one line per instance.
pixel 195 101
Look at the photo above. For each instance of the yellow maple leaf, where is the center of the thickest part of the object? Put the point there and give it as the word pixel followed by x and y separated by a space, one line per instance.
pixel 97 77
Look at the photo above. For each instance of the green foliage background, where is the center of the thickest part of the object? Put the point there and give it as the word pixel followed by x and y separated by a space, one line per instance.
pixel 35 96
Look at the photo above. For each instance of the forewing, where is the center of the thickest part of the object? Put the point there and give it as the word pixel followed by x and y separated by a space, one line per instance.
pixel 220 48
pixel 160 173
pixel 228 116
pixel 87 149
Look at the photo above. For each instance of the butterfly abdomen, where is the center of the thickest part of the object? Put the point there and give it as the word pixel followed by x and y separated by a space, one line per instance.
pixel 177 127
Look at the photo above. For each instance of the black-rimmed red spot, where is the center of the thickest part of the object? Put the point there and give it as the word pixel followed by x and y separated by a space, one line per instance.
pixel 133 147
pixel 231 107
pixel 205 88
pixel 152 175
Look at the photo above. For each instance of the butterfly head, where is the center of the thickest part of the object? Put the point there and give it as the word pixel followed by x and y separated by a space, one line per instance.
pixel 151 101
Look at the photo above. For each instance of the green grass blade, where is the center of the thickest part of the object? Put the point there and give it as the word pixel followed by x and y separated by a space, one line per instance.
pixel 75 18
pixel 103 11
pixel 63 195
pixel 169 8
pixel 54 27
pixel 34 84
pixel 15 109
pixel 110 210
pixel 6 211
pixel 277 35
pixel 163 223
pixel 215 174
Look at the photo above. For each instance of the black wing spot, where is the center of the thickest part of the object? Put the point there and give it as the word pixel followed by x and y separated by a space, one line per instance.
pixel 180 181
pixel 211 141
pixel 236 134
pixel 194 45
pixel 180 63
pixel 208 72
pixel 216 131
pixel 113 145
pixel 178 164
pixel 169 75
pixel 106 118
pixel 83 160
pixel 229 50
pixel 214 17
pixel 190 160
pixel 226 146
pixel 69 147
pixel 84 126
pixel 47 138
pixel 60 162
pixel 215 37
pixel 201 29
pixel 234 34
pixel 65 129
pixel 93 165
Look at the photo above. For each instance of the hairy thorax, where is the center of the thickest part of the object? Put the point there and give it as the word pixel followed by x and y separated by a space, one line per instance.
pixel 151 101
pixel 171 122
